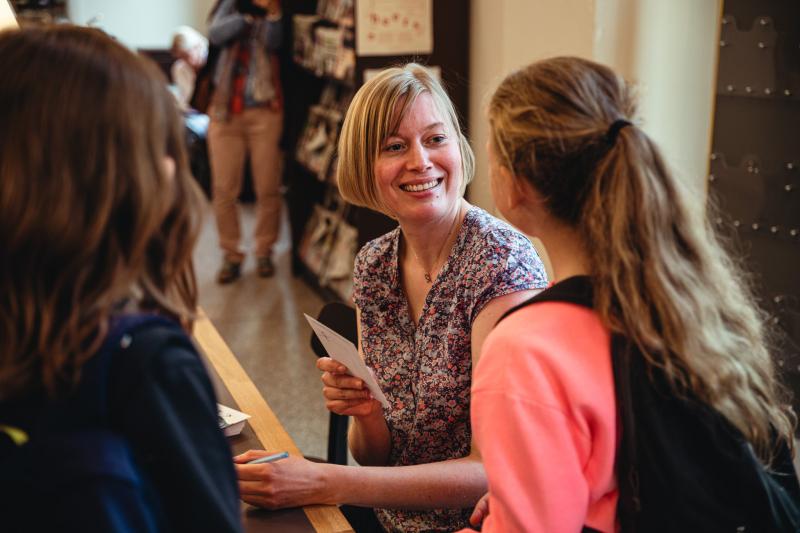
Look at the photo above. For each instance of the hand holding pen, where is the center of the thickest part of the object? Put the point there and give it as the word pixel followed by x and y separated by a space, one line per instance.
pixel 269 458
pixel 279 480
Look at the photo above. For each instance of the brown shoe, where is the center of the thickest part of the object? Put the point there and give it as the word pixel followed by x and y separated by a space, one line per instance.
pixel 229 271
pixel 265 267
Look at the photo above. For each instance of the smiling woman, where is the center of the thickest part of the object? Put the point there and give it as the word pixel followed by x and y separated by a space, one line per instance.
pixel 427 294
pixel 418 171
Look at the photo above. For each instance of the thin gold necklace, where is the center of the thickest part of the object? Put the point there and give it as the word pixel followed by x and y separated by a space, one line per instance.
pixel 427 274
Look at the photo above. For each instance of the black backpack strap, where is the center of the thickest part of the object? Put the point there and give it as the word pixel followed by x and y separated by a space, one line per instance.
pixel 628 504
pixel 576 290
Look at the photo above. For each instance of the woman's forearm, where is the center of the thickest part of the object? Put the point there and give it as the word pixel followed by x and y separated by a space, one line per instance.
pixel 369 440
pixel 457 483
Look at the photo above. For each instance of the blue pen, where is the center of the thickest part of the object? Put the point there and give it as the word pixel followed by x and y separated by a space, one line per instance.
pixel 269 458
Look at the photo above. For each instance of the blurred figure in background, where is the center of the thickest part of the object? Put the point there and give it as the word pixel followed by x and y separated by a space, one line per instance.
pixel 246 121
pixel 190 50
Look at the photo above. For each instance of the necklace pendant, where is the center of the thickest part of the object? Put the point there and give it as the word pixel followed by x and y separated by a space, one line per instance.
pixel 428 278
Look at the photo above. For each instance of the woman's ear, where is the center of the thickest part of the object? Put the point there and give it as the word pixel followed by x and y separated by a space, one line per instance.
pixel 515 187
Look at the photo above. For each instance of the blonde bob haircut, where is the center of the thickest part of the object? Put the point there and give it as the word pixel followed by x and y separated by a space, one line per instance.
pixel 374 115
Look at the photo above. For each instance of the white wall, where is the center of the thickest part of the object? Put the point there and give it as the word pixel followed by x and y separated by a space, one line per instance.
pixel 673 59
pixel 667 48
pixel 509 34
pixel 141 23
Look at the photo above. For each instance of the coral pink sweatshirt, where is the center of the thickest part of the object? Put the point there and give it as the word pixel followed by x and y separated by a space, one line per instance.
pixel 544 419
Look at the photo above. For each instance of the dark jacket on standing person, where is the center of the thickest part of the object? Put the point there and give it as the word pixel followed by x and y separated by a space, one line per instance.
pixel 231 30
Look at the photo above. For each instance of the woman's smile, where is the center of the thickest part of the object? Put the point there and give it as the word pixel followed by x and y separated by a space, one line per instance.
pixel 419 170
pixel 422 186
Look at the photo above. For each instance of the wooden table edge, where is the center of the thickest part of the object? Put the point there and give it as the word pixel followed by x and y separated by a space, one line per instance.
pixel 266 426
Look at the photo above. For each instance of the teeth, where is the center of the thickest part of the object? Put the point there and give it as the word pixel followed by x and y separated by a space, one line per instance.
pixel 420 186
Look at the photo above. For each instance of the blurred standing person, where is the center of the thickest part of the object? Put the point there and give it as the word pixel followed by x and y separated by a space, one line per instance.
pixel 246 120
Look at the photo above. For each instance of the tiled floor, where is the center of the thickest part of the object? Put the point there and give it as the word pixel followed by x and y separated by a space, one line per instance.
pixel 262 322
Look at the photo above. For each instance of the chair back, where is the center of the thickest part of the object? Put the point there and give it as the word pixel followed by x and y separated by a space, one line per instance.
pixel 341 318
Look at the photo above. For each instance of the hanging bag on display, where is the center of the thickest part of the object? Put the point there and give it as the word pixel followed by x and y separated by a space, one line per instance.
pixel 318 143
pixel 318 239
pixel 338 274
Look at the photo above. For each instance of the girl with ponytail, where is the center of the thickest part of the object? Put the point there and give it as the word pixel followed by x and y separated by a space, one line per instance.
pixel 648 343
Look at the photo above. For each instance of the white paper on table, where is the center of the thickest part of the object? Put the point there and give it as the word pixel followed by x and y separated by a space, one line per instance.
pixel 231 421
pixel 346 353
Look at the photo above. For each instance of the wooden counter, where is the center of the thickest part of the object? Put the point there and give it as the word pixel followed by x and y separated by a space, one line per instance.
pixel 265 427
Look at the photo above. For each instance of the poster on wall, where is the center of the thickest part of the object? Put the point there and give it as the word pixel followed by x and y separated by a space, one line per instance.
pixel 394 27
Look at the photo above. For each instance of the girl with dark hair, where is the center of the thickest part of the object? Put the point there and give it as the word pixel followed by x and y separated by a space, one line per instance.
pixel 637 391
pixel 108 420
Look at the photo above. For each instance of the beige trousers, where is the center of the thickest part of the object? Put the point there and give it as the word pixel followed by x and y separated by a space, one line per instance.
pixel 254 132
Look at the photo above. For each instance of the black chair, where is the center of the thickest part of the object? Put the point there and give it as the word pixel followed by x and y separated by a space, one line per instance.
pixel 340 318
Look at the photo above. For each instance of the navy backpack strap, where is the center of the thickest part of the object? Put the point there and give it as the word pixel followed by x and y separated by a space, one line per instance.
pixel 119 337
pixel 75 459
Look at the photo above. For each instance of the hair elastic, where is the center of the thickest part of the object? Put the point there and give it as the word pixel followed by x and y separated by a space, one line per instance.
pixel 613 130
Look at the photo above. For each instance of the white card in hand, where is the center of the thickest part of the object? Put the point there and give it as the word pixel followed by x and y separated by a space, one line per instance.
pixel 345 352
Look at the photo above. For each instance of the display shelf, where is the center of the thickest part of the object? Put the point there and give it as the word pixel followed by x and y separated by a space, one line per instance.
pixel 310 147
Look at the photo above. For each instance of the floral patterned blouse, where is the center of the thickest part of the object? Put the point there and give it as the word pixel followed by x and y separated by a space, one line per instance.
pixel 425 370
